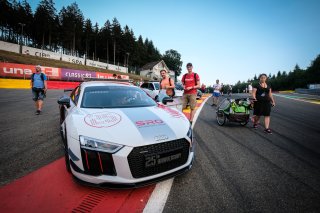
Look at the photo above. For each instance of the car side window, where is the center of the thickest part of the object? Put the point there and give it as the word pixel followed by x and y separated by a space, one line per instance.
pixel 144 85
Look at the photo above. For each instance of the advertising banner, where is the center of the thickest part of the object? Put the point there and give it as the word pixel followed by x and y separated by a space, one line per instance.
pixel 76 75
pixel 97 64
pixel 40 53
pixel 9 47
pixel 72 59
pixel 117 68
pixel 109 76
pixel 25 71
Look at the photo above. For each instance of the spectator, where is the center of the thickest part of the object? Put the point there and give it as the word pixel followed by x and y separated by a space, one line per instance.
pixel 216 93
pixel 203 88
pixel 229 90
pixel 222 89
pixel 250 89
pixel 191 82
pixel 262 95
pixel 167 83
pixel 39 87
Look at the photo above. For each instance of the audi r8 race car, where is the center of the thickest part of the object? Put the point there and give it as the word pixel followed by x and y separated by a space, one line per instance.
pixel 115 135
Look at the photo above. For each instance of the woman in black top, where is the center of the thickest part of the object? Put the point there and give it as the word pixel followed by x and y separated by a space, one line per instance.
pixel 263 102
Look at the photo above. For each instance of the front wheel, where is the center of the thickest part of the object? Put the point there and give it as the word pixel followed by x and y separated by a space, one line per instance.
pixel 66 152
pixel 221 118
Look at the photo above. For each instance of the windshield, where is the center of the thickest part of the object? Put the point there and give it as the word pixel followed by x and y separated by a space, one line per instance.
pixel 179 86
pixel 115 97
pixel 157 85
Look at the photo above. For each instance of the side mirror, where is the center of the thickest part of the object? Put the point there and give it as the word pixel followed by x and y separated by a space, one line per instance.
pixel 156 98
pixel 165 100
pixel 64 100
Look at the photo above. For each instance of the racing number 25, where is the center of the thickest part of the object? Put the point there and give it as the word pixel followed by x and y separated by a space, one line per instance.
pixel 151 161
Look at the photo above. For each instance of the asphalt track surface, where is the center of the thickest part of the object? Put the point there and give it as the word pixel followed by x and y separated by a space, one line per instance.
pixel 236 169
pixel 239 169
pixel 28 141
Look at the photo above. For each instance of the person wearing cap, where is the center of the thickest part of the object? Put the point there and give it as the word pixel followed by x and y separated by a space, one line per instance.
pixel 191 83
pixel 39 88
pixel 167 83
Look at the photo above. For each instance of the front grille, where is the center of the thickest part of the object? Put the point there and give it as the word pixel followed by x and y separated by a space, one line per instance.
pixel 97 163
pixel 157 158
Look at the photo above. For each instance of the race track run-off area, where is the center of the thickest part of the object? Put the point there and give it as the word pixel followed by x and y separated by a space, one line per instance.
pixel 236 168
pixel 32 181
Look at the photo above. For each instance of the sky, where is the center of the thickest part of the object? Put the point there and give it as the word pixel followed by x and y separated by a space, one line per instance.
pixel 229 40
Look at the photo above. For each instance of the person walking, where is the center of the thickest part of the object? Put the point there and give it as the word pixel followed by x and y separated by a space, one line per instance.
pixel 166 83
pixel 250 89
pixel 263 101
pixel 191 82
pixel 39 88
pixel 216 93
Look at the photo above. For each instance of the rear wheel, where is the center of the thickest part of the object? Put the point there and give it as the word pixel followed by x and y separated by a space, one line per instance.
pixel 221 118
pixel 243 123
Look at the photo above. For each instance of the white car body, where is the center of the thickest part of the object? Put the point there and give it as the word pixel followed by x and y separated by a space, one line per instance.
pixel 144 144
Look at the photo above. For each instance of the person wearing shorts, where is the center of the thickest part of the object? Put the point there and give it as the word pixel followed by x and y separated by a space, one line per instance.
pixel 191 82
pixel 39 87
pixel 216 93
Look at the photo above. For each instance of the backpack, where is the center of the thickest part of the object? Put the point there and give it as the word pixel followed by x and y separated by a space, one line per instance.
pixel 41 76
pixel 195 77
pixel 173 92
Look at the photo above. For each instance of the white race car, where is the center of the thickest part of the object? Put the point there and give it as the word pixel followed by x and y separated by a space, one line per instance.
pixel 115 135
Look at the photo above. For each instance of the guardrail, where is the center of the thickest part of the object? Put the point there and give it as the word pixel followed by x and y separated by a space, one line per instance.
pixel 308 91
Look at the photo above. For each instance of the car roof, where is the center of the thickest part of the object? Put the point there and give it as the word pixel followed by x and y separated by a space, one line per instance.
pixel 105 83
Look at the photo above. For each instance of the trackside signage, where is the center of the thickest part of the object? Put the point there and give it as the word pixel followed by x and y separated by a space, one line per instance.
pixel 40 53
pixel 109 76
pixel 13 70
pixel 76 75
pixel 25 71
pixel 11 47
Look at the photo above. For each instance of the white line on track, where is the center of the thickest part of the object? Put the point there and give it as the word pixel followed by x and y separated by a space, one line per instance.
pixel 297 99
pixel 160 194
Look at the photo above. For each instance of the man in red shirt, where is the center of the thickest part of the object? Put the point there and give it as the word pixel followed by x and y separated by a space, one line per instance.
pixel 191 82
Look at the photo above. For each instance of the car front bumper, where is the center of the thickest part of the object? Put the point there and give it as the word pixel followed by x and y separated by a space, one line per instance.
pixel 124 177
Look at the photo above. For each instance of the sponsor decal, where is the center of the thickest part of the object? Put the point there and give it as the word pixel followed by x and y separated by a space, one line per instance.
pixel 149 123
pixel 157 159
pixel 102 119
pixel 170 111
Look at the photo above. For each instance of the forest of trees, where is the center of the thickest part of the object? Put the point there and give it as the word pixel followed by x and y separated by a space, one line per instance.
pixel 298 78
pixel 69 31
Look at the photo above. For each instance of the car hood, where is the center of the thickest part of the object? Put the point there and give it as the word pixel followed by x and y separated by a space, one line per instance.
pixel 129 126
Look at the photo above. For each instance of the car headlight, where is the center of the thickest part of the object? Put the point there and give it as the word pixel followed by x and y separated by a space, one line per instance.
pixel 99 145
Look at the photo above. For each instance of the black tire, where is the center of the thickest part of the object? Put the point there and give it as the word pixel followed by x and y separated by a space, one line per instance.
pixel 243 123
pixel 221 118
pixel 66 154
pixel 62 117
